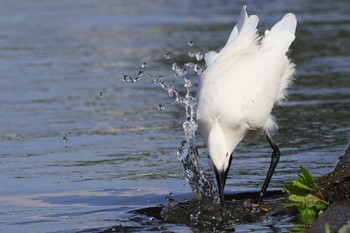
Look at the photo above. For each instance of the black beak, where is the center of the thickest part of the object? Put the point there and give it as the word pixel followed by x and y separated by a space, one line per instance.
pixel 221 181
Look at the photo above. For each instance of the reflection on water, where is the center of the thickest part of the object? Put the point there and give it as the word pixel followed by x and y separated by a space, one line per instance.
pixel 57 57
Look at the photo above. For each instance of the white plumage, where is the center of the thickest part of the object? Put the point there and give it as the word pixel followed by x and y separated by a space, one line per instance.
pixel 240 86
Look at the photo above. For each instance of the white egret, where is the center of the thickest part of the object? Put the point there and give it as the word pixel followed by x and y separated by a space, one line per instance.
pixel 239 88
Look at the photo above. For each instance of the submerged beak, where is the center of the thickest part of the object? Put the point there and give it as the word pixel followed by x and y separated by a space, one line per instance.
pixel 221 180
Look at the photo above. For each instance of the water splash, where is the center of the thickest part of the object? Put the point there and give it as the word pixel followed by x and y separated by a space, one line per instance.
pixel 129 79
pixel 167 56
pixel 179 70
pixel 199 56
pixel 200 182
pixel 65 139
pixel 103 93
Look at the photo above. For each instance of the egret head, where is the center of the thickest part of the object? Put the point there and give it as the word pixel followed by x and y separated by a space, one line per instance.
pixel 220 156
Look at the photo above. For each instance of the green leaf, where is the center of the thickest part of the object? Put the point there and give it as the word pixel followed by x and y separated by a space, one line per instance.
pixel 311 201
pixel 300 185
pixel 344 229
pixel 309 178
pixel 327 228
pixel 302 179
pixel 297 188
pixel 301 195
pixel 307 215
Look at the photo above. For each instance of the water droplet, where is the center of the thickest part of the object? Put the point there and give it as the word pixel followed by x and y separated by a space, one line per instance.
pixel 65 139
pixel 167 56
pixel 129 79
pixel 140 73
pixel 199 56
pixel 138 190
pixel 151 218
pixel 161 107
pixel 144 66
pixel 171 91
pixel 191 54
pixel 198 69
pixel 189 64
pixel 175 66
pixel 188 82
pixel 180 70
pixel 102 93
pixel 190 43
pixel 157 82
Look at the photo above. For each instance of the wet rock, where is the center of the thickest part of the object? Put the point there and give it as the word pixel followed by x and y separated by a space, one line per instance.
pixel 335 187
pixel 337 215
pixel 239 208
pixel 344 158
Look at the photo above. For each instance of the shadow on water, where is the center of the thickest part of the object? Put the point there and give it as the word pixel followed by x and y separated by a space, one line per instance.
pixel 239 208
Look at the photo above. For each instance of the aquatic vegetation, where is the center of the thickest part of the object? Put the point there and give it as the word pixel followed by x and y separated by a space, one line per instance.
pixel 343 229
pixel 305 195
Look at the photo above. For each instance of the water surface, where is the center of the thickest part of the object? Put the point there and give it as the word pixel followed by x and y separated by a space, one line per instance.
pixel 120 156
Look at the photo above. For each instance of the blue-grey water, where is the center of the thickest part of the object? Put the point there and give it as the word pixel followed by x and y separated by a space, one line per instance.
pixel 80 149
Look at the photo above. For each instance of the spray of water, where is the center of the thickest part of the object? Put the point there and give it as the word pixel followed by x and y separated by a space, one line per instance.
pixel 200 182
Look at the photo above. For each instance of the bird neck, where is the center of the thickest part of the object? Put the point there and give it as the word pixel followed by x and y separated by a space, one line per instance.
pixel 222 140
pixel 219 151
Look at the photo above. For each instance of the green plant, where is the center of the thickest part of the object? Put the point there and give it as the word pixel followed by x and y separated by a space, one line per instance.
pixel 343 229
pixel 305 195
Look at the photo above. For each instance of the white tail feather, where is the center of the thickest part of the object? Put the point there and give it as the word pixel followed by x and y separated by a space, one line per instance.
pixel 245 30
pixel 288 23
pixel 277 42
pixel 242 35
pixel 281 35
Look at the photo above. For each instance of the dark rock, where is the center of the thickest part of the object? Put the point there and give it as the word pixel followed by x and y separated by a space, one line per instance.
pixel 335 185
pixel 344 158
pixel 337 215
pixel 335 188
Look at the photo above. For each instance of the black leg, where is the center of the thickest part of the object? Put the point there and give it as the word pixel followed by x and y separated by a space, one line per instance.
pixel 275 157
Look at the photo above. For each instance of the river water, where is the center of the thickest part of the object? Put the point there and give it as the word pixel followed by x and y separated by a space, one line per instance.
pixel 80 149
